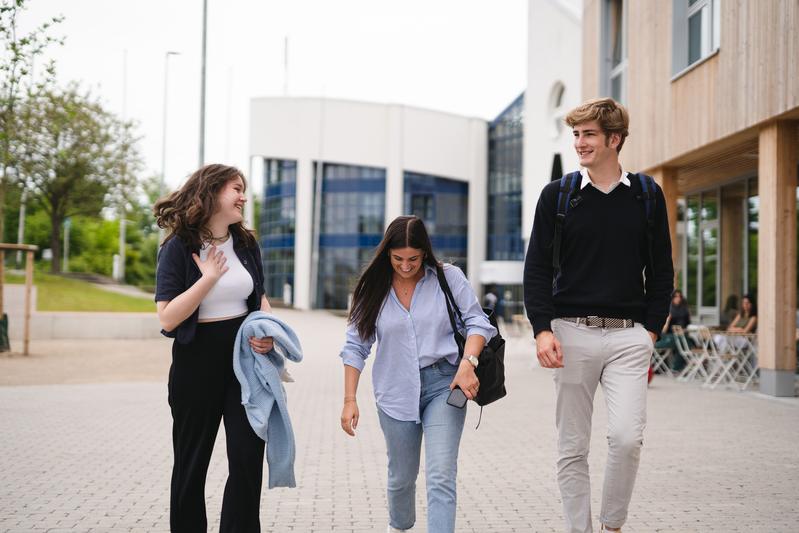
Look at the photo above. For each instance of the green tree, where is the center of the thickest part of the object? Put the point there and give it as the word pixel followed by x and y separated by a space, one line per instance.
pixel 78 157
pixel 18 53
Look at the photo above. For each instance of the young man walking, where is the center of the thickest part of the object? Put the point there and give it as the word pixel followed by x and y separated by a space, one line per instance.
pixel 597 281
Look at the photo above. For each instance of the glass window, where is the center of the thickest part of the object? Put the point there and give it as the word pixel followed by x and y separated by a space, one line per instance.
pixel 443 205
pixel 504 238
pixel 276 231
pixel 696 31
pixel 753 215
pixel 695 38
pixel 692 252
pixel 710 248
pixel 614 38
pixel 352 211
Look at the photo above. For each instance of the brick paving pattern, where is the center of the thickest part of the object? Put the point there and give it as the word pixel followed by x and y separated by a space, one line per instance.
pixel 96 457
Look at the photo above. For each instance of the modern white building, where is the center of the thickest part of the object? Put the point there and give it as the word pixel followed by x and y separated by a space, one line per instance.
pixel 529 145
pixel 554 50
pixel 377 162
pixel 474 183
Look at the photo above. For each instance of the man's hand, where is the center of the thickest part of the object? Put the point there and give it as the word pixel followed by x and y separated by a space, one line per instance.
pixel 548 350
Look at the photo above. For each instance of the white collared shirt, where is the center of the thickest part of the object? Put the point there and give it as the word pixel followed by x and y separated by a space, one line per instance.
pixel 587 180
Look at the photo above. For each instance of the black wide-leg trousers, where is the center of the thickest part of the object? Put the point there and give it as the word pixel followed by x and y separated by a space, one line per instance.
pixel 203 390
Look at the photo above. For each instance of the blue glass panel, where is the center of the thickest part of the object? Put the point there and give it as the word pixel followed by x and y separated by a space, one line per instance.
pixel 281 189
pixel 351 226
pixel 504 238
pixel 442 204
pixel 276 228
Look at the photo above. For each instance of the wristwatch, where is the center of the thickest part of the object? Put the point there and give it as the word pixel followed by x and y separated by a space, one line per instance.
pixel 472 359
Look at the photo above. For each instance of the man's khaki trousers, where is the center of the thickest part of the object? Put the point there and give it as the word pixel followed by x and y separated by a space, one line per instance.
pixel 618 359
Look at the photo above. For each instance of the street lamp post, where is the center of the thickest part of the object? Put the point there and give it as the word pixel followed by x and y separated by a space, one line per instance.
pixel 202 84
pixel 161 182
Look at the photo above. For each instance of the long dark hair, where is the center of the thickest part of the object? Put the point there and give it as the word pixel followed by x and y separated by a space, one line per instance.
pixel 375 281
pixel 683 302
pixel 185 213
pixel 753 310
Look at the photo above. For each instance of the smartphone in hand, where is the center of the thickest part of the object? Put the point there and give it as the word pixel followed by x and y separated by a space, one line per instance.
pixel 457 398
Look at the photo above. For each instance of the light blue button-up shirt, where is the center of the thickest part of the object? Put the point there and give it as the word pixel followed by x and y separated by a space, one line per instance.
pixel 410 340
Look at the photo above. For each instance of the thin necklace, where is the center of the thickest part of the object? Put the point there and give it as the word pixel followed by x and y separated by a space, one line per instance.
pixel 407 288
pixel 223 238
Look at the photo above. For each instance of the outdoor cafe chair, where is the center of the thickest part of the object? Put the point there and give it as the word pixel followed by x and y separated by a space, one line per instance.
pixel 744 347
pixel 694 357
pixel 722 361
pixel 660 361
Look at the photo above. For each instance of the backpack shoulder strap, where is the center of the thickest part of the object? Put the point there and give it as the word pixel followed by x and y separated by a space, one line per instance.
pixel 568 184
pixel 649 194
pixel 649 197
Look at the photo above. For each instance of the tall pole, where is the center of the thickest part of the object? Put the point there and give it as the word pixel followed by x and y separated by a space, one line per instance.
pixel 286 65
pixel 162 177
pixel 67 225
pixel 202 85
pixel 122 229
pixel 21 226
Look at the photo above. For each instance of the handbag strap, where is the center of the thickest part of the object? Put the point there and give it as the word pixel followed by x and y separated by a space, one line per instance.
pixel 442 281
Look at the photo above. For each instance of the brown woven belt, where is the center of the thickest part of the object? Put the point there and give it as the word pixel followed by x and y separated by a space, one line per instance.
pixel 600 321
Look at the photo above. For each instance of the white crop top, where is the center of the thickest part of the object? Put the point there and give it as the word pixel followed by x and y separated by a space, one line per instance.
pixel 228 298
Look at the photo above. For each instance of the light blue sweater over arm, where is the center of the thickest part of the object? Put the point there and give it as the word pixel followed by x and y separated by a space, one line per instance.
pixel 262 392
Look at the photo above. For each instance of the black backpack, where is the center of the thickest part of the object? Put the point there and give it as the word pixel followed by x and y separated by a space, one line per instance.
pixel 491 370
pixel 571 183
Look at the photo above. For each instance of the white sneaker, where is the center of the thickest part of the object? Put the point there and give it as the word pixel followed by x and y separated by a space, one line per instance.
pixel 603 529
pixel 394 530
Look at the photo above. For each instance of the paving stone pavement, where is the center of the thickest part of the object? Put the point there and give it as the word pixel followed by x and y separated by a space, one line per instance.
pixel 96 457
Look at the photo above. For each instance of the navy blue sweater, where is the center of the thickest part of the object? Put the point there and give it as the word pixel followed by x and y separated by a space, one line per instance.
pixel 604 253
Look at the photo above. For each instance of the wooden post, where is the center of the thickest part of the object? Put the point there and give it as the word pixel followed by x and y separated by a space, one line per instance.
pixel 776 259
pixel 29 248
pixel 666 177
pixel 28 286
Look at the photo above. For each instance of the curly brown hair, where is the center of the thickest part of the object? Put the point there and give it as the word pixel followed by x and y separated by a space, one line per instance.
pixel 185 213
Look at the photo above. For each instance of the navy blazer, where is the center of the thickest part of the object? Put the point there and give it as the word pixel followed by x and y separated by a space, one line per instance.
pixel 177 271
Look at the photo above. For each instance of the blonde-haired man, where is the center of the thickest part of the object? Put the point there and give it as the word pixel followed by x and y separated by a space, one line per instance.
pixel 597 281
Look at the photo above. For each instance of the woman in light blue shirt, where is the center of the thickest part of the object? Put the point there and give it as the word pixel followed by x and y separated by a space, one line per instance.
pixel 399 304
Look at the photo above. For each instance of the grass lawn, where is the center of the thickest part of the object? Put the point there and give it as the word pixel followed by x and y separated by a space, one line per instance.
pixel 55 293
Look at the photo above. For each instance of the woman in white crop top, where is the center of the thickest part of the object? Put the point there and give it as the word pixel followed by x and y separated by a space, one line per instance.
pixel 209 278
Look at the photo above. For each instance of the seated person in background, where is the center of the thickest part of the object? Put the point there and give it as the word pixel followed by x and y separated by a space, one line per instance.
pixel 744 322
pixel 679 316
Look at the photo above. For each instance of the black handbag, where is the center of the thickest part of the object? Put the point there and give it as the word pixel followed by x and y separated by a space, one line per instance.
pixel 491 370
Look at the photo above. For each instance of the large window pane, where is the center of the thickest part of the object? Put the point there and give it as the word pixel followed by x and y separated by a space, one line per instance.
pixel 504 235
pixel 695 37
pixel 616 31
pixel 692 255
pixel 443 206
pixel 352 210
pixel 710 249
pixel 276 231
pixel 753 215
pixel 615 88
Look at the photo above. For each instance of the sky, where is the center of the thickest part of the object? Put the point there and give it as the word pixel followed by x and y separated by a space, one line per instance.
pixel 461 56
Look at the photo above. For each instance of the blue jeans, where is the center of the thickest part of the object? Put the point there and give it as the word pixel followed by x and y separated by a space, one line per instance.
pixel 442 426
